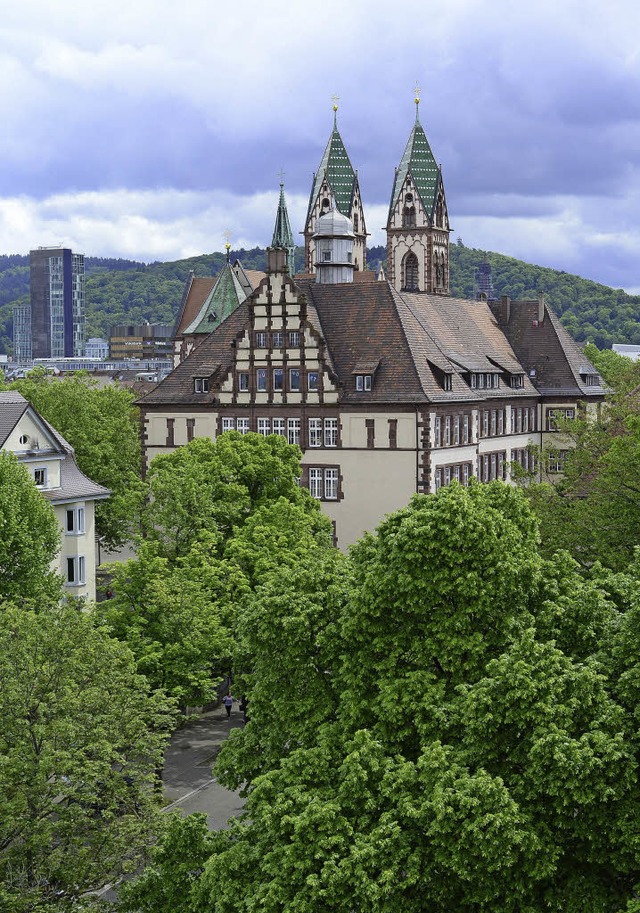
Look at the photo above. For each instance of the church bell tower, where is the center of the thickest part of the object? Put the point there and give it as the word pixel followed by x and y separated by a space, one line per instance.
pixel 418 222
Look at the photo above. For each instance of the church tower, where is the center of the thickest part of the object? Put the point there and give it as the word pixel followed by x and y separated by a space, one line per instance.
pixel 418 223
pixel 335 185
pixel 282 234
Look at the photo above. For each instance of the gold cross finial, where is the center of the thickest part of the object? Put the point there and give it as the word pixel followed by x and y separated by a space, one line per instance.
pixel 335 99
pixel 227 237
pixel 281 174
pixel 417 94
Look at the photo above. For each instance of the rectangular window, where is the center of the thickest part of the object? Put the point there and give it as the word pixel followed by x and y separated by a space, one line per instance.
pixel 532 419
pixel 294 338
pixel 261 379
pixel 371 431
pixel 294 379
pixel 438 478
pixel 331 484
pixel 312 380
pixel 170 432
pixel 315 432
pixel 500 421
pixel 315 482
pixel 228 424
pixel 466 471
pixel 278 379
pixel 331 432
pixel 474 381
pixel 447 475
pixel 525 420
pixel 501 466
pixel 40 477
pixel 447 431
pixel 466 424
pixel 200 384
pixel 243 382
pixel 519 421
pixel 326 256
pixel 293 431
pixel 494 422
pixel 456 473
pixel 74 523
pixel 494 466
pixel 264 426
pixel 191 427
pixel 262 340
pixel 75 571
pixel 437 431
pixel 243 425
pixel 456 430
pixel 393 433
pixel 556 460
pixel 364 382
pixel 279 427
pixel 277 340
pixel 485 423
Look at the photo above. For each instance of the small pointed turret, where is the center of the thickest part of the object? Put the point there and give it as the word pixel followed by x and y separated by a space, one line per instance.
pixel 282 234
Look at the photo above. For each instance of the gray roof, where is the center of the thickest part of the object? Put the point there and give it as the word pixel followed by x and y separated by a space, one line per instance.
pixel 12 407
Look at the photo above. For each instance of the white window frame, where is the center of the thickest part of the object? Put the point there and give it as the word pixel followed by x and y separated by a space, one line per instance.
pixel 313 385
pixel 243 382
pixel 228 424
pixel 294 380
pixel 315 432
pixel 293 431
pixel 331 432
pixel 77 517
pixel 316 482
pixel 76 571
pixel 277 339
pixel 264 426
pixel 243 425
pixel 331 484
pixel 262 380
pixel 279 426
pixel 261 339
pixel 278 380
pixel 200 384
pixel 294 338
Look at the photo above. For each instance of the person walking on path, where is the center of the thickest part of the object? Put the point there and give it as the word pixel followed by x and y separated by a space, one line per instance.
pixel 227 700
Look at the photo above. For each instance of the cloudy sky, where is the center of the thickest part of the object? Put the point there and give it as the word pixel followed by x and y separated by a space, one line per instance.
pixel 147 128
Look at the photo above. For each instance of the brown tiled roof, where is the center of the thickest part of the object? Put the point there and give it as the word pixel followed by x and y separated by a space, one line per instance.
pixel 196 291
pixel 213 358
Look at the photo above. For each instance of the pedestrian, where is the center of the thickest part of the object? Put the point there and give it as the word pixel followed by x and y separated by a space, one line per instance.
pixel 244 703
pixel 227 700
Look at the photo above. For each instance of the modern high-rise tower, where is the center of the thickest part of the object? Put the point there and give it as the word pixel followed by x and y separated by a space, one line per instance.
pixel 53 325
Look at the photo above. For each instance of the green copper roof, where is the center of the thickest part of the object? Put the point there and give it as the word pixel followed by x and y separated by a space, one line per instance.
pixel 338 170
pixel 418 161
pixel 222 300
pixel 282 234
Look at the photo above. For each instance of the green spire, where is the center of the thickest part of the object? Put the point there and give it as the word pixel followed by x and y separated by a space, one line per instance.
pixel 282 234
pixel 222 300
pixel 336 167
pixel 419 162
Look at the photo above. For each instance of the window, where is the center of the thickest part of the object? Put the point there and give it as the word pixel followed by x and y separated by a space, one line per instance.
pixel 447 431
pixel 437 431
pixel 466 472
pixel 315 482
pixel 171 422
pixel 294 379
pixel 556 460
pixel 393 433
pixel 191 427
pixel 75 571
pixel 264 426
pixel 331 432
pixel 243 382
pixel 279 427
pixel 331 484
pixel 228 424
pixel 278 379
pixel 438 479
pixel 243 425
pixel 293 431
pixel 200 384
pixel 410 273
pixel 277 340
pixel 40 477
pixel 24 439
pixel 261 379
pixel 363 382
pixel 74 521
pixel 312 380
pixel 294 338
pixel 371 432
pixel 326 256
pixel 494 422
pixel 485 423
pixel 315 432
pixel 517 380
pixel 447 475
pixel 556 416
pixel 500 421
pixel 465 429
pixel 473 378
pixel 262 340
pixel 456 430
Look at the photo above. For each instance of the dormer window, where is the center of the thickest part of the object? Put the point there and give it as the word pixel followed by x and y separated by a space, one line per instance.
pixel 364 382
pixel 40 477
pixel 200 384
pixel 590 380
pixel 517 381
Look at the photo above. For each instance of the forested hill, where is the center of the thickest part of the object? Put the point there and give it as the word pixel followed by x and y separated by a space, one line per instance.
pixel 125 291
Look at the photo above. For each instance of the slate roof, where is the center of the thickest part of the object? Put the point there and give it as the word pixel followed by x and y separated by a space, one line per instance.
pixel 75 485
pixel 417 160
pixel 282 234
pixel 12 407
pixel 222 300
pixel 336 167
pixel 194 295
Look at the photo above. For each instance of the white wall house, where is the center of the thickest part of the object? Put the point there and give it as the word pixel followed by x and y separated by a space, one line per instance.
pixel 51 462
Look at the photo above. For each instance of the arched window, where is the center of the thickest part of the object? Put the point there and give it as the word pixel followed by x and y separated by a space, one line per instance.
pixel 355 221
pixel 326 203
pixel 437 280
pixel 409 216
pixel 410 267
pixel 439 212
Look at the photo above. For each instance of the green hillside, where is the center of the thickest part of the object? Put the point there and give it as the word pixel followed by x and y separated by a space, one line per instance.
pixel 125 291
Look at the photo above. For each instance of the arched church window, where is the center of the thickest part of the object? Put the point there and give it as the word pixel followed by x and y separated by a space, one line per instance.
pixel 436 271
pixel 409 217
pixel 355 221
pixel 326 203
pixel 440 212
pixel 408 198
pixel 410 267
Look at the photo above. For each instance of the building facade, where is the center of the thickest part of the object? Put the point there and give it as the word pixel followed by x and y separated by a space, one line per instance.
pixel 53 324
pixel 389 387
pixel 145 340
pixel 51 463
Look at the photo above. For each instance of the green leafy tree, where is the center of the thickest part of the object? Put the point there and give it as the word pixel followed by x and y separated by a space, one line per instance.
pixel 473 750
pixel 101 424
pixel 29 536
pixel 79 742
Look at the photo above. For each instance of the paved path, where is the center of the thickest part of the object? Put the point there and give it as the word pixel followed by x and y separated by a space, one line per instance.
pixel 188 782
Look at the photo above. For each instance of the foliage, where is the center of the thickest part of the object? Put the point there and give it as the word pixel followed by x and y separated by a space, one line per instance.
pixel 471 737
pixel 101 424
pixel 80 740
pixel 29 535
pixel 124 291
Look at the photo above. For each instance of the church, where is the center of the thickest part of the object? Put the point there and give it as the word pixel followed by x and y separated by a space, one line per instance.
pixel 387 384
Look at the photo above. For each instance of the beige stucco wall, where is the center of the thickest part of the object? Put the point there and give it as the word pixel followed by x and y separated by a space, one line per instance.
pixel 75 545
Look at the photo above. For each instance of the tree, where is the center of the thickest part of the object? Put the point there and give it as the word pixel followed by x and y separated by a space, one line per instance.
pixel 29 535
pixel 473 753
pixel 101 424
pixel 80 739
